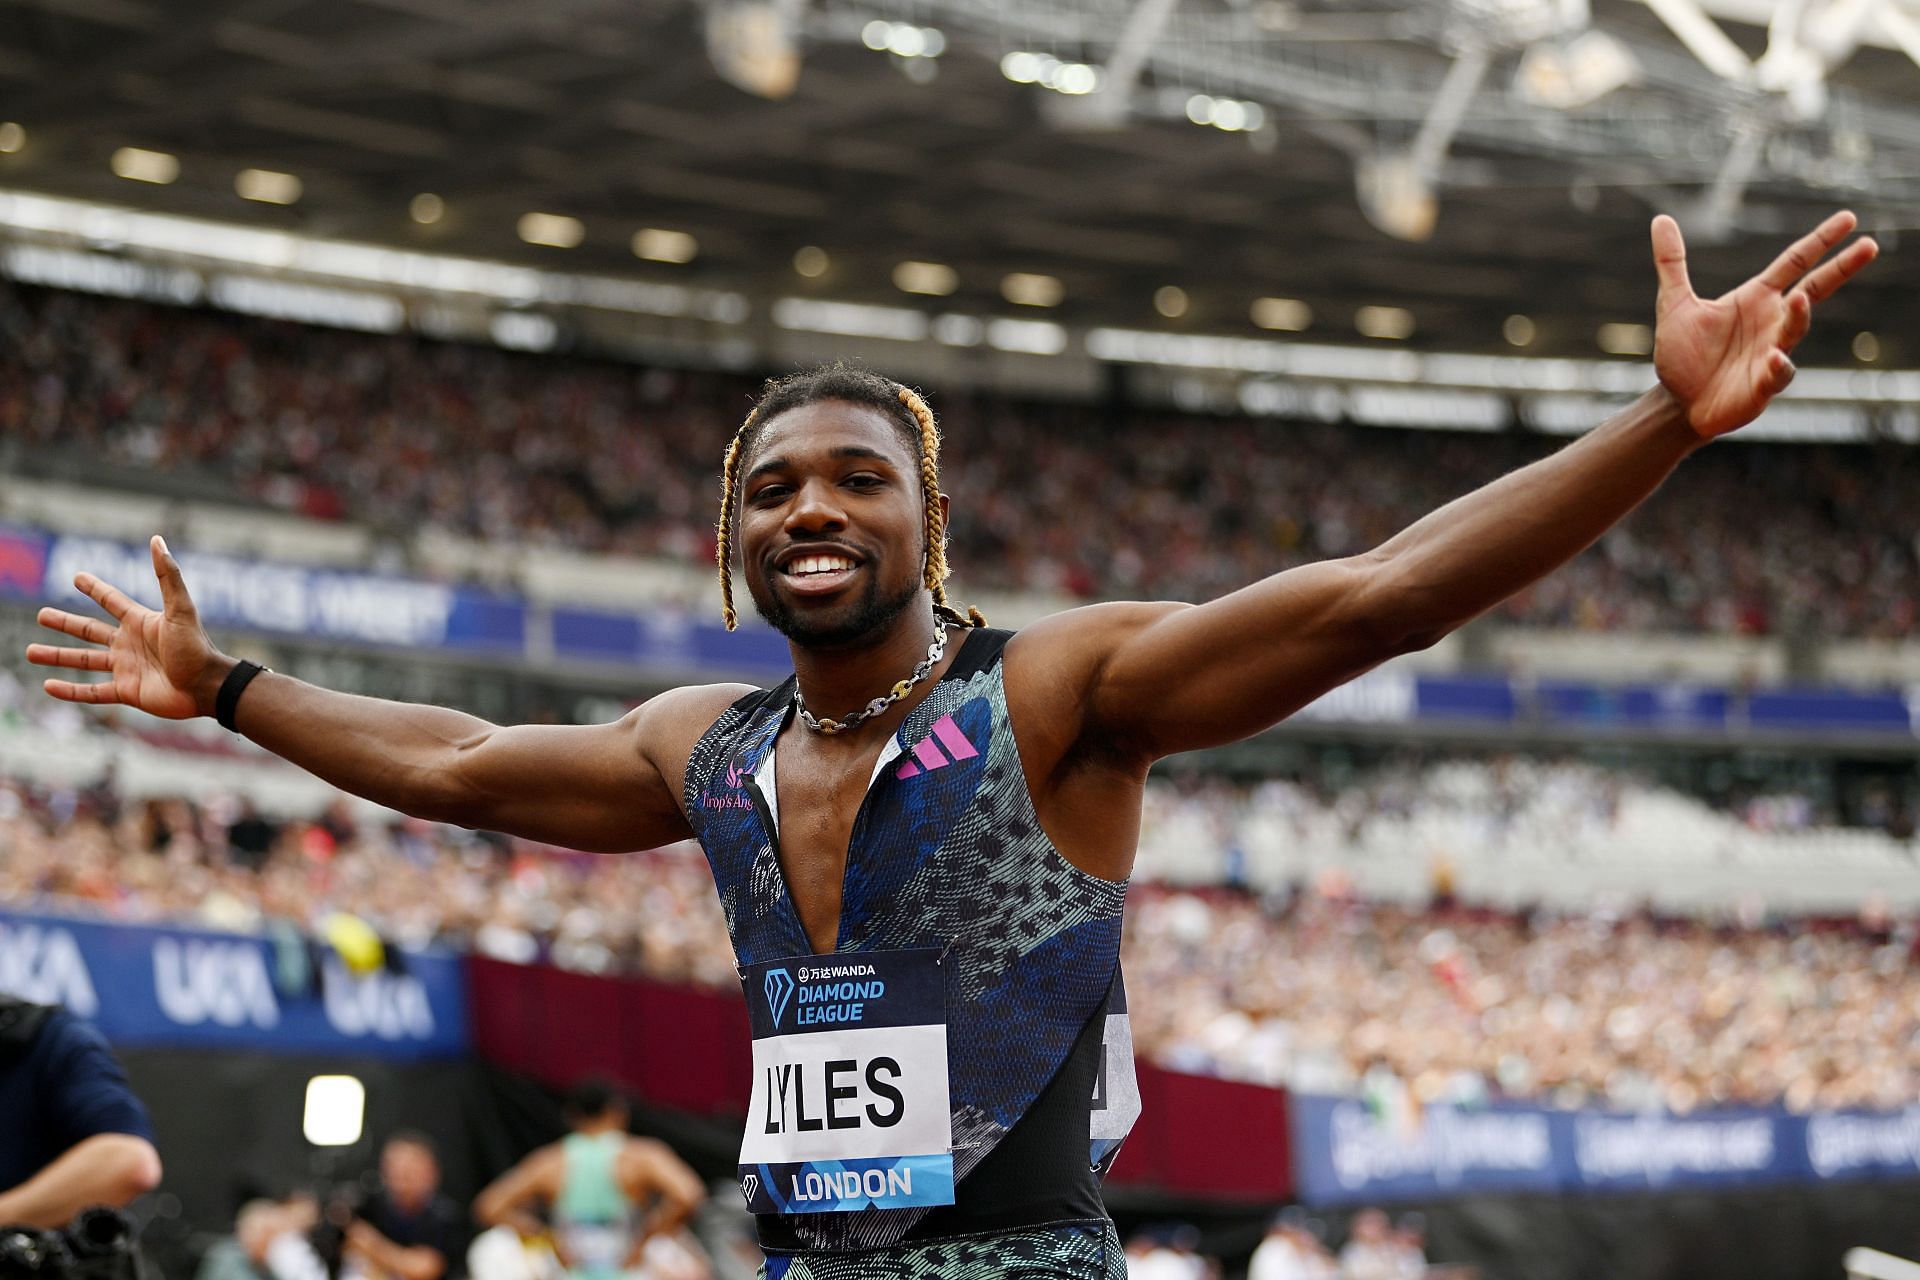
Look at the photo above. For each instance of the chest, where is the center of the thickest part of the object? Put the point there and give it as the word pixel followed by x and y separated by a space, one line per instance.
pixel 819 798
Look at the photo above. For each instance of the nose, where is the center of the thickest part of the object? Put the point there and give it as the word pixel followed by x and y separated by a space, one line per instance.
pixel 816 508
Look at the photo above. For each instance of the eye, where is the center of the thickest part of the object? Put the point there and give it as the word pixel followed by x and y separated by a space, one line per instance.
pixel 766 494
pixel 864 480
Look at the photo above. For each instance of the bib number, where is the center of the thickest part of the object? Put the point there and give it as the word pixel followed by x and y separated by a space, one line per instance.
pixel 850 1106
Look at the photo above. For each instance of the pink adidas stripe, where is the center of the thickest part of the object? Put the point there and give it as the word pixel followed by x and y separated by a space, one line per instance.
pixel 952 739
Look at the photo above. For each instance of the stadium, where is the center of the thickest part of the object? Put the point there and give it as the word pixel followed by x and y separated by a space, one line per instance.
pixel 1552 912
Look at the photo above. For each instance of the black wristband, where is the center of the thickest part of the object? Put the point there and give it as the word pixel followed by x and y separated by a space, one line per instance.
pixel 227 701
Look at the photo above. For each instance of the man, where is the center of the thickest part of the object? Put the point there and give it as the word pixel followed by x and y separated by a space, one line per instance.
pixel 408 1230
pixel 922 838
pixel 76 1136
pixel 593 1184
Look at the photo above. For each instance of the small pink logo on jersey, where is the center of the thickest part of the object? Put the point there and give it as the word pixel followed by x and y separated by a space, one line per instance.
pixel 735 779
pixel 927 755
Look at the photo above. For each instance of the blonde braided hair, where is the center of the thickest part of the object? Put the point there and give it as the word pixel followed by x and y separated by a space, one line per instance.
pixel 837 382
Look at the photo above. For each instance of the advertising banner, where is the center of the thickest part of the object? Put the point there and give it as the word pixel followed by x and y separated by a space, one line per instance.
pixel 147 986
pixel 1346 1152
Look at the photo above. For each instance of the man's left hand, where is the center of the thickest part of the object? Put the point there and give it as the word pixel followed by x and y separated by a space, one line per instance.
pixel 1724 358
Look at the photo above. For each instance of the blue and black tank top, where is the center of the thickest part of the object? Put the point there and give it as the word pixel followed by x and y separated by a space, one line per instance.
pixel 946 852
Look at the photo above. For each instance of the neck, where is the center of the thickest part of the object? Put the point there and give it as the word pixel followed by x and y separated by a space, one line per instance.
pixel 837 682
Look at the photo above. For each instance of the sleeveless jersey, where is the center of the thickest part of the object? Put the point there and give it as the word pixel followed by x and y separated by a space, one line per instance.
pixel 592 1212
pixel 946 852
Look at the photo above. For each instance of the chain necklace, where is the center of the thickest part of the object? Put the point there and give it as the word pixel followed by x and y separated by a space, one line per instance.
pixel 874 708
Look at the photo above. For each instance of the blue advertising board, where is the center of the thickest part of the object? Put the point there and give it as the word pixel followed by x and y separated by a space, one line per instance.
pixel 147 986
pixel 376 609
pixel 1346 1152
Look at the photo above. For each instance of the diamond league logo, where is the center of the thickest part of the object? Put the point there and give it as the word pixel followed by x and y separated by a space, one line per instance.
pixel 749 1185
pixel 779 987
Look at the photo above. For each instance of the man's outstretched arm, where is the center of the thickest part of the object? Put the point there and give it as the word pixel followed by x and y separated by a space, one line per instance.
pixel 1161 678
pixel 605 788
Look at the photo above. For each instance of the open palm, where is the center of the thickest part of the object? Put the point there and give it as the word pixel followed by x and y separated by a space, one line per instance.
pixel 157 660
pixel 1724 358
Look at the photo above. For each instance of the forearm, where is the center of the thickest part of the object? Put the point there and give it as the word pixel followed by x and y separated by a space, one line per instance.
pixel 108 1168
pixel 1471 554
pixel 398 754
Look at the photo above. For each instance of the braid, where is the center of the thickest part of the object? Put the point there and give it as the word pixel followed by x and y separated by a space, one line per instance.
pixel 723 549
pixel 837 382
pixel 937 570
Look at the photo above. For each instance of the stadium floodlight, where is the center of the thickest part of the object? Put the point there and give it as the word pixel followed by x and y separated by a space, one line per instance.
pixel 1394 324
pixel 13 137
pixel 554 230
pixel 1030 289
pixel 1285 315
pixel 336 1111
pixel 427 208
pixel 657 244
pixel 1625 339
pixel 265 186
pixel 137 164
pixel 811 261
pixel 754 44
pixel 935 279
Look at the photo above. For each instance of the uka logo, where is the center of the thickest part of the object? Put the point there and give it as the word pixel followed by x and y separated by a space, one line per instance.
pixel 779 986
pixel 45 966
pixel 386 1006
pixel 225 983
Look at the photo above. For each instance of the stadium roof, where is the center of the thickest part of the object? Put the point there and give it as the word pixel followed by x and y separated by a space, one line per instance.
pixel 617 115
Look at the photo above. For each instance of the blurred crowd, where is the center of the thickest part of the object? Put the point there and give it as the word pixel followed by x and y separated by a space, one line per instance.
pixel 406 434
pixel 1315 989
pixel 1415 1006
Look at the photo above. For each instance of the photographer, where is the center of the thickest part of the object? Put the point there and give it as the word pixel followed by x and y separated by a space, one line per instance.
pixel 408 1231
pixel 76 1134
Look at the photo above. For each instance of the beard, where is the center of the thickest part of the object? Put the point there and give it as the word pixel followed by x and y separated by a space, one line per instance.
pixel 850 626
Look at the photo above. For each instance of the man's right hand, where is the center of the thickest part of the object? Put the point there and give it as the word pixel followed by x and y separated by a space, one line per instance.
pixel 158 662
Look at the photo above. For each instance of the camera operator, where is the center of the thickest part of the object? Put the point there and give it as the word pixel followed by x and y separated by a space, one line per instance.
pixel 408 1231
pixel 75 1133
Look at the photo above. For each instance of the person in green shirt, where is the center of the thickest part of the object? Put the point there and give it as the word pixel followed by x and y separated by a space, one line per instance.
pixel 606 1193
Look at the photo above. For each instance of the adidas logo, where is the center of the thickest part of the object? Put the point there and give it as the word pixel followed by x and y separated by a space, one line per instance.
pixel 927 755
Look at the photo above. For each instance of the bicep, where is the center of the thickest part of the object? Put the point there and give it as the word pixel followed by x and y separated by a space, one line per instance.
pixel 606 788
pixel 1203 675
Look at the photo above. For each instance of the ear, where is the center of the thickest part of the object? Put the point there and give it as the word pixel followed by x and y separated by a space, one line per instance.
pixel 946 506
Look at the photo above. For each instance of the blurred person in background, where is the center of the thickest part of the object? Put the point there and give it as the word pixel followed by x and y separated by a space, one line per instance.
pixel 72 1133
pixel 1372 1252
pixel 407 1230
pixel 1291 1251
pixel 615 1203
pixel 271 1240
pixel 832 510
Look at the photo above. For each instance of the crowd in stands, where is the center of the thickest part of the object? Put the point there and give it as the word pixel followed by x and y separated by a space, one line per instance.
pixel 1312 988
pixel 1090 502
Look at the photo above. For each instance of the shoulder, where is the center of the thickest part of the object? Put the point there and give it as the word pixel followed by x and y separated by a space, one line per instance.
pixel 1054 665
pixel 665 727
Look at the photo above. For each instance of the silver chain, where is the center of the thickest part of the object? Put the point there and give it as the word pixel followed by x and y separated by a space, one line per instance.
pixel 900 690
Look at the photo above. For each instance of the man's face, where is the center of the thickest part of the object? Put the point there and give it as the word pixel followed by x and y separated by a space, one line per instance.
pixel 409 1173
pixel 832 536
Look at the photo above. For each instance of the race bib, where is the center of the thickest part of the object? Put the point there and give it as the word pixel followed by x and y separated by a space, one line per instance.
pixel 850 1107
pixel 1116 1089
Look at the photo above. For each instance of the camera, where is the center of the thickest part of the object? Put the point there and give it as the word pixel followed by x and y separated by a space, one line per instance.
pixel 99 1244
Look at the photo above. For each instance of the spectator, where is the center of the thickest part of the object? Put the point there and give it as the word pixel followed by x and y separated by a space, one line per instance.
pixel 1291 1251
pixel 1371 1252
pixel 76 1136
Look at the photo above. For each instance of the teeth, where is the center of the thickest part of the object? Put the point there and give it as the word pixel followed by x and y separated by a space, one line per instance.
pixel 819 564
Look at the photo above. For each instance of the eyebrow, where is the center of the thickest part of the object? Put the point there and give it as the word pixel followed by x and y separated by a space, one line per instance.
pixel 839 453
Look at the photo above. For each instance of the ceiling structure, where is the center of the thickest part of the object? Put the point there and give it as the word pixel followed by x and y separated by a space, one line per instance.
pixel 1463 161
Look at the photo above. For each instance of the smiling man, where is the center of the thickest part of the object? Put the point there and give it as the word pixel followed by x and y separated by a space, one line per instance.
pixel 921 839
